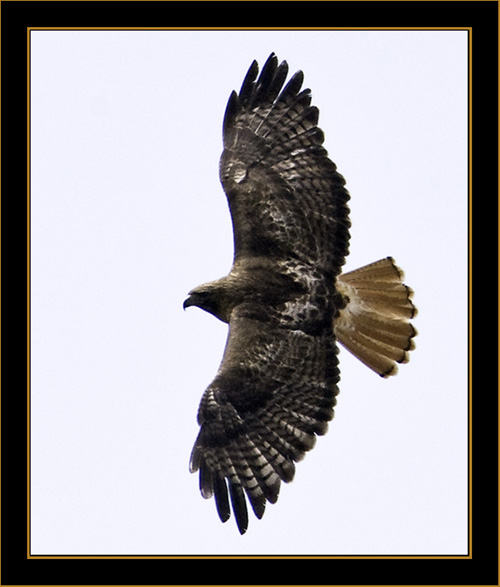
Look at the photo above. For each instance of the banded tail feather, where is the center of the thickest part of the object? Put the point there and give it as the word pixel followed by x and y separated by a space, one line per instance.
pixel 375 324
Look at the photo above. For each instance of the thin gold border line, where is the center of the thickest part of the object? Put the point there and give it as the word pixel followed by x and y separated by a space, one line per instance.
pixel 469 163
pixel 316 29
pixel 202 557
pixel 28 293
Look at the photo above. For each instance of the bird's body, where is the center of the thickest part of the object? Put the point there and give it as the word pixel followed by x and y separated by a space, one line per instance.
pixel 284 299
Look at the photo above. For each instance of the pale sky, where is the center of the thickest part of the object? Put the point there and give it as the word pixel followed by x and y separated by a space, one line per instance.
pixel 128 215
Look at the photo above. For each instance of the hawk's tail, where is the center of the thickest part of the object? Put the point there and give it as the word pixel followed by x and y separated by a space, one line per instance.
pixel 375 324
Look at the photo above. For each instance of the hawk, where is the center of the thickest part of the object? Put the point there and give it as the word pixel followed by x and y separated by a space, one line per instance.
pixel 285 299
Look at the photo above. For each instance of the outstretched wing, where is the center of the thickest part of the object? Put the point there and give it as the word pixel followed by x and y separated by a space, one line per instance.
pixel 287 199
pixel 274 392
pixel 276 387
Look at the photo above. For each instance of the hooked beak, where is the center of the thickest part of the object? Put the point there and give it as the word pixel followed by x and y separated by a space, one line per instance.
pixel 188 302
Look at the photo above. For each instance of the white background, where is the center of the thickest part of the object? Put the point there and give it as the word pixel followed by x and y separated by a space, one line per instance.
pixel 128 215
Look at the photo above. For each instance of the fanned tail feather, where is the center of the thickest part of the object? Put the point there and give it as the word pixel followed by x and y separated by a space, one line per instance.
pixel 375 323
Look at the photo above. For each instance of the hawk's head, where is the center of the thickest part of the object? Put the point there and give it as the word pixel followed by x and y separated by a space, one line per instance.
pixel 211 297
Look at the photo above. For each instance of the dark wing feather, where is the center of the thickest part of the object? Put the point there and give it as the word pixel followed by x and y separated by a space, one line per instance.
pixel 277 384
pixel 285 195
pixel 274 392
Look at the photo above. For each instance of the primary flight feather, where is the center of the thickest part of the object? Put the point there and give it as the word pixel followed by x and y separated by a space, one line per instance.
pixel 285 299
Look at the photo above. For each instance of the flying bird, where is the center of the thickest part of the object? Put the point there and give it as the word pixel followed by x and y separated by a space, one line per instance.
pixel 285 299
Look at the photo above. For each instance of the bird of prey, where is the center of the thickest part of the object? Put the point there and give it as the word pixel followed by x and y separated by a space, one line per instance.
pixel 285 299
